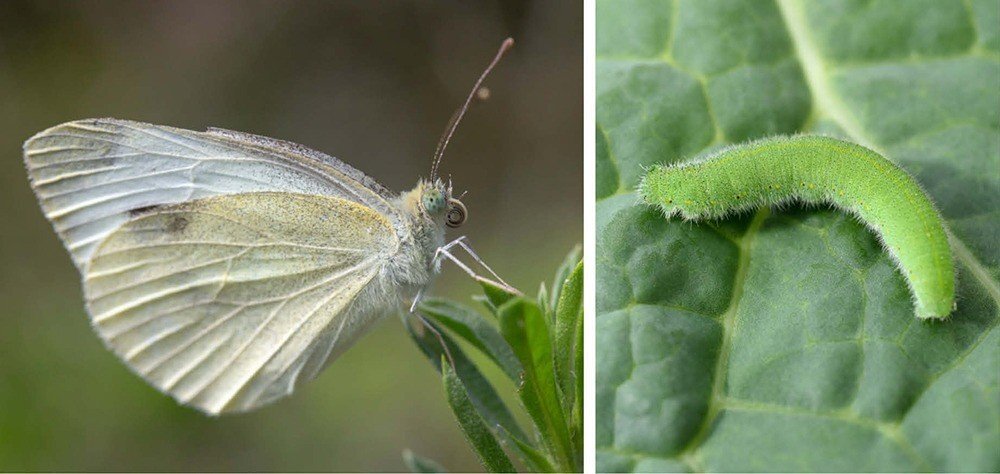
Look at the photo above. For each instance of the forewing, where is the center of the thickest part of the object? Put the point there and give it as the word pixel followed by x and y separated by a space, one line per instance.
pixel 226 303
pixel 92 175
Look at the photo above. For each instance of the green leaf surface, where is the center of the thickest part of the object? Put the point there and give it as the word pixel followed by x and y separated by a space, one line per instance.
pixel 480 391
pixel 525 327
pixel 487 447
pixel 785 339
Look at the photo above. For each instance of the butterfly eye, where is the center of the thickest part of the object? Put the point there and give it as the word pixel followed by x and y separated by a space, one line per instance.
pixel 434 202
pixel 456 213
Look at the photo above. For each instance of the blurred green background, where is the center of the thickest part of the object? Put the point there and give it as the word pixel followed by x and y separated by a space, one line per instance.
pixel 371 83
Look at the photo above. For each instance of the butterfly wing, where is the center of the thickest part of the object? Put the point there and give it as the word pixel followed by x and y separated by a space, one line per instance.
pixel 92 175
pixel 227 303
pixel 223 267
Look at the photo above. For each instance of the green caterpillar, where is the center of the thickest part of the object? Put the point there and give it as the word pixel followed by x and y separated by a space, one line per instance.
pixel 816 169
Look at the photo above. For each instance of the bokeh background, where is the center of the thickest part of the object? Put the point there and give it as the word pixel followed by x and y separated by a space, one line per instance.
pixel 371 83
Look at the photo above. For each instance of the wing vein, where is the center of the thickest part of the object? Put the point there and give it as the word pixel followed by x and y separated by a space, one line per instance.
pixel 266 322
pixel 75 174
pixel 105 182
pixel 62 211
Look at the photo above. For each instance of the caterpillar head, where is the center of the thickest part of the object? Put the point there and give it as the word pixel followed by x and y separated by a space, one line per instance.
pixel 676 191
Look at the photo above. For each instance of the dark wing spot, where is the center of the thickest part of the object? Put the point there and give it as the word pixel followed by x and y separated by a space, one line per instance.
pixel 142 210
pixel 177 224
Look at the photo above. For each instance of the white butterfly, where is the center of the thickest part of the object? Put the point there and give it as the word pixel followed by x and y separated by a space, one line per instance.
pixel 226 268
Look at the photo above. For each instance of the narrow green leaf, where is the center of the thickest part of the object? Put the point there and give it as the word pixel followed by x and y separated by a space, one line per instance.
pixel 417 463
pixel 474 328
pixel 479 436
pixel 563 272
pixel 569 315
pixel 525 328
pixel 576 426
pixel 532 458
pixel 481 391
pixel 485 301
pixel 543 299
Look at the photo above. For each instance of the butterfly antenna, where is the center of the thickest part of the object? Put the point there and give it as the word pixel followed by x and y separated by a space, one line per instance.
pixel 457 116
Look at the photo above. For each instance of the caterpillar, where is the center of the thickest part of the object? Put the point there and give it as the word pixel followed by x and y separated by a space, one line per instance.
pixel 819 169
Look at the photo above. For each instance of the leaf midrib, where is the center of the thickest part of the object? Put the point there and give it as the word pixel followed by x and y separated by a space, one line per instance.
pixel 716 401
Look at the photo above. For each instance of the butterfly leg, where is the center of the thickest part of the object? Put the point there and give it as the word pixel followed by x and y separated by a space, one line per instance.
pixel 461 241
pixel 444 252
pixel 440 339
pixel 436 264
pixel 416 299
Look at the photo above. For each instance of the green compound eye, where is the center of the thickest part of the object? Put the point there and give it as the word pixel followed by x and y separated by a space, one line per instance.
pixel 433 202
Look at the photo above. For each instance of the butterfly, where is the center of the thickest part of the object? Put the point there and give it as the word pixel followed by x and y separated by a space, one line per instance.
pixel 227 268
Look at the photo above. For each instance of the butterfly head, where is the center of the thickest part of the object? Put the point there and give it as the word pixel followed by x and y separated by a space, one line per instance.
pixel 437 202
